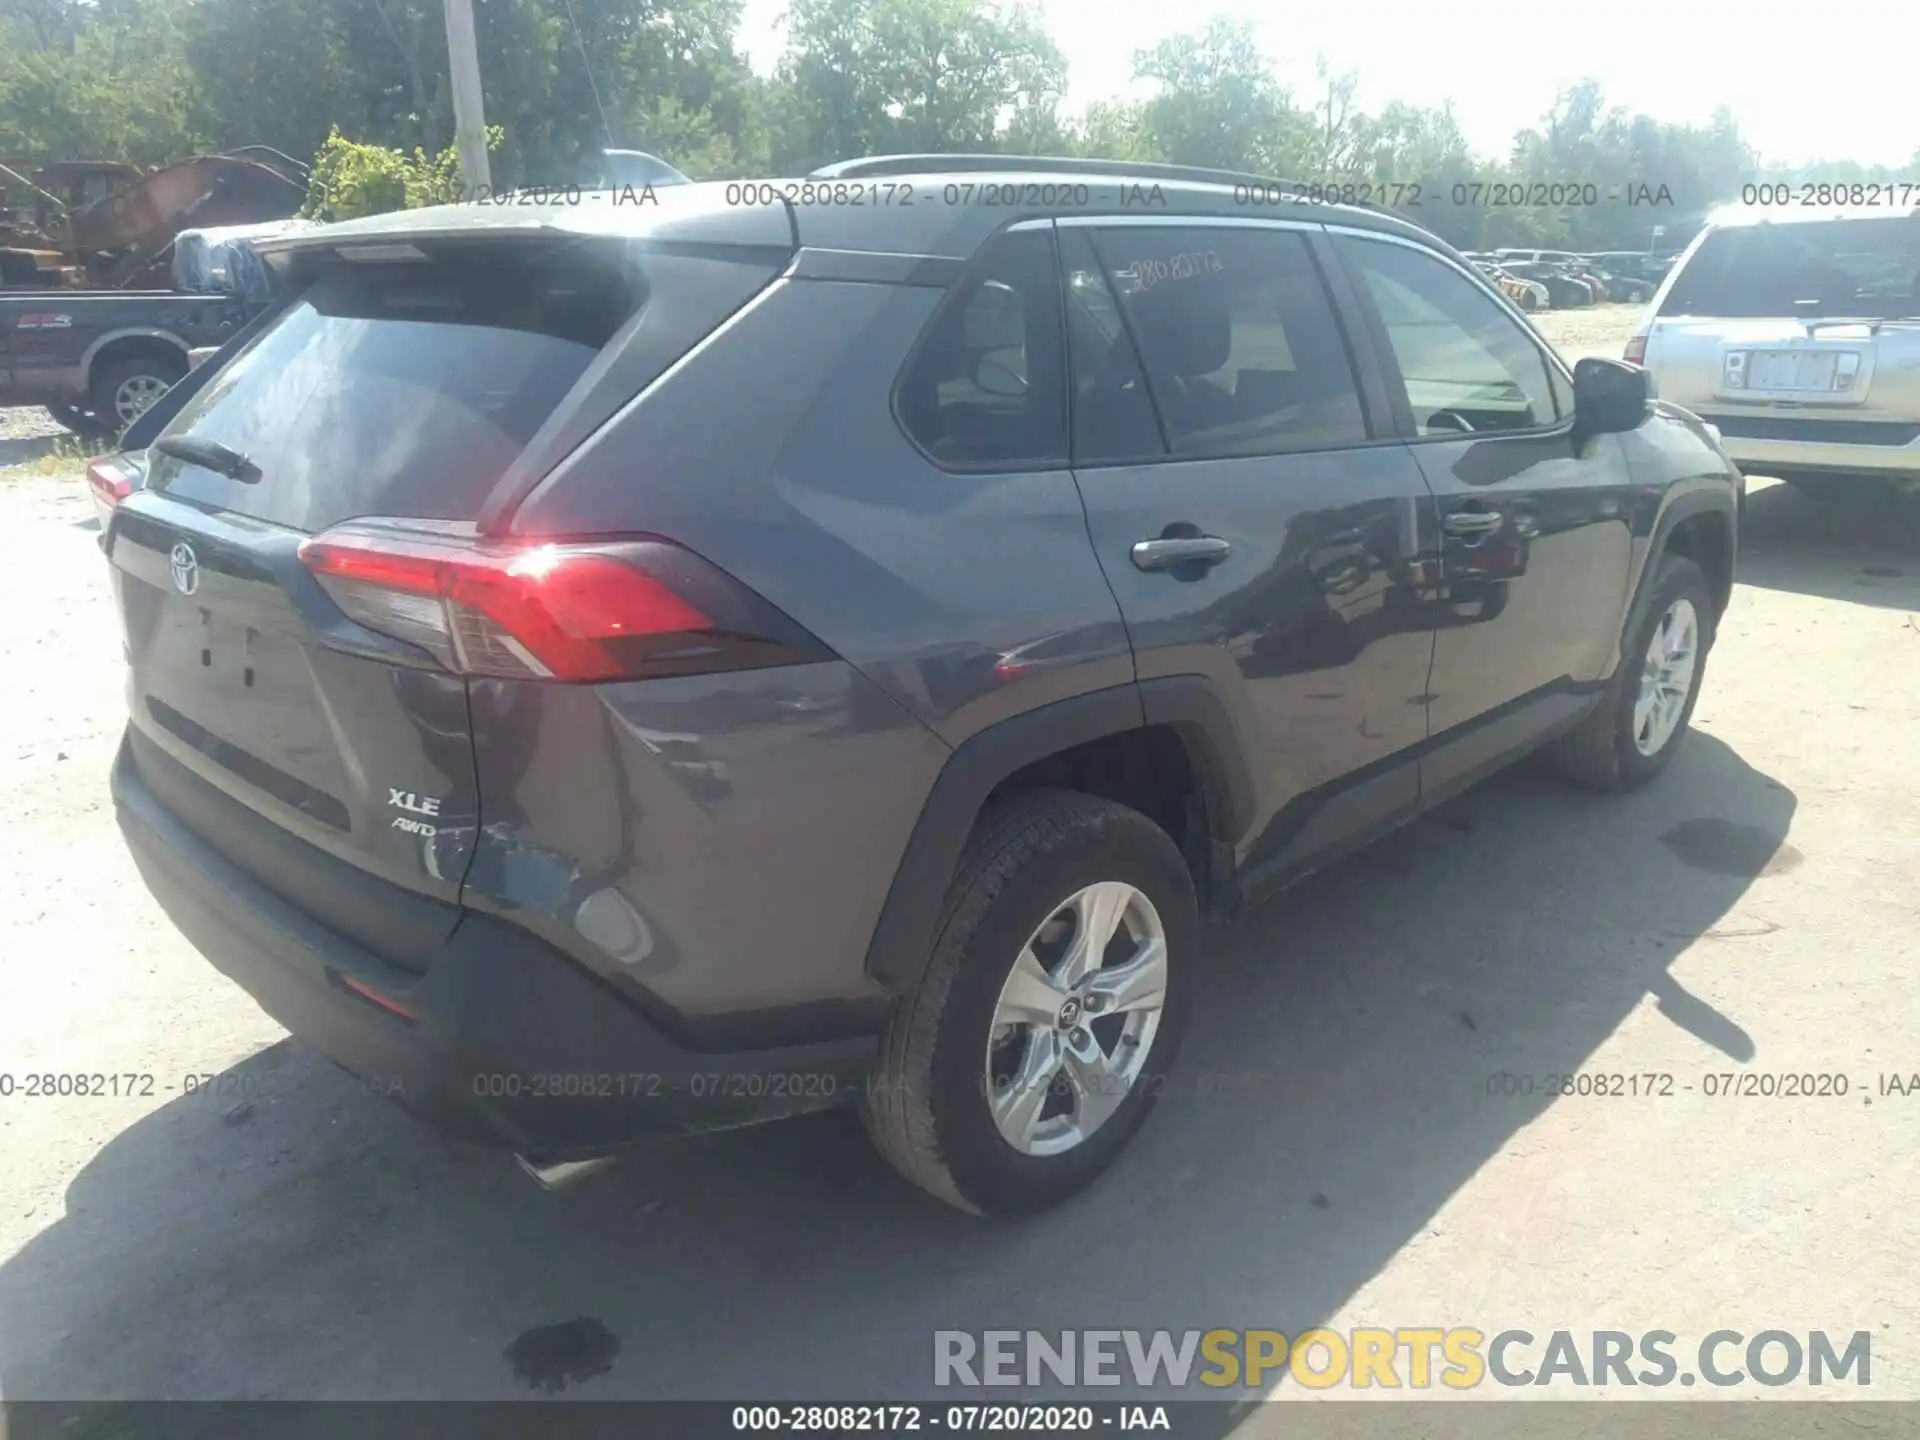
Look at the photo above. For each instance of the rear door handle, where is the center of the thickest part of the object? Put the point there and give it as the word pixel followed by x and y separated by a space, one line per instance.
pixel 1473 522
pixel 1165 553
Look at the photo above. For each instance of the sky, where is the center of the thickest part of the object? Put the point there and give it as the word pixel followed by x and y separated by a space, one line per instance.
pixel 1501 63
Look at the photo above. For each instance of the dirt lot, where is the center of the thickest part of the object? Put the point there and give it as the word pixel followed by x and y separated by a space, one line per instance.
pixel 1597 330
pixel 1751 915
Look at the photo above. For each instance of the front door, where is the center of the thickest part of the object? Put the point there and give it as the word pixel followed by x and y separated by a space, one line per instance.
pixel 1534 527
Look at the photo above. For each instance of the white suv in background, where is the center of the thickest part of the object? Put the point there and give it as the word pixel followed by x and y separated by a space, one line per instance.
pixel 1796 333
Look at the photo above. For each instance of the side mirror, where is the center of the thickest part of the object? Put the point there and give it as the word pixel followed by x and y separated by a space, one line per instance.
pixel 1609 396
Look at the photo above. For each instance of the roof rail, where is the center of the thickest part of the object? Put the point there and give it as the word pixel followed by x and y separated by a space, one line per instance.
pixel 875 165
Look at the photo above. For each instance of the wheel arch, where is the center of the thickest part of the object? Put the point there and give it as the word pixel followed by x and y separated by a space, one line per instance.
pixel 129 343
pixel 1704 519
pixel 1171 736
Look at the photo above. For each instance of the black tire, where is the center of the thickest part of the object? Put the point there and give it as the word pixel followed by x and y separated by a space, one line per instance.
pixel 1601 752
pixel 926 1106
pixel 102 394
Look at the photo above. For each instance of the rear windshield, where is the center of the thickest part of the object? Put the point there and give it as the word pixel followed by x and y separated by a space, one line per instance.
pixel 1868 268
pixel 406 387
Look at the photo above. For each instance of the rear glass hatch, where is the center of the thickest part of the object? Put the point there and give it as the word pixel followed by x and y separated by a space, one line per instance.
pixel 1856 267
pixel 304 591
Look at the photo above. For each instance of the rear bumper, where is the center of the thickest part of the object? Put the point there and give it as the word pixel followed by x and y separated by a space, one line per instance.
pixel 1817 448
pixel 504 1040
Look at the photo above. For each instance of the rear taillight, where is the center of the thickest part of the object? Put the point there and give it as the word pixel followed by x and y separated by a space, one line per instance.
pixel 111 478
pixel 573 612
pixel 1636 352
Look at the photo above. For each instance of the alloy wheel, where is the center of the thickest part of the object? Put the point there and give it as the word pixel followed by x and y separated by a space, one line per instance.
pixel 1076 1019
pixel 1666 677
pixel 135 394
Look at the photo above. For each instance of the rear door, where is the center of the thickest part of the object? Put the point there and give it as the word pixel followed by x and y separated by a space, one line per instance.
pixel 1255 522
pixel 1534 533
pixel 1780 324
pixel 263 711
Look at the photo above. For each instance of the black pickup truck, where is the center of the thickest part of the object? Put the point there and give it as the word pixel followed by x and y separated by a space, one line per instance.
pixel 97 358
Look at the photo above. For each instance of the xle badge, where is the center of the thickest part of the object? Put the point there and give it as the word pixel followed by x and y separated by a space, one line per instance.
pixel 419 805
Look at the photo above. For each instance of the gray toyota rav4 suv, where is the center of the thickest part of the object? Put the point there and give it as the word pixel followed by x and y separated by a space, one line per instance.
pixel 672 660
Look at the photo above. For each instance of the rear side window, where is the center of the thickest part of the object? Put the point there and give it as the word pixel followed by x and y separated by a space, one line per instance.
pixel 1865 267
pixel 985 388
pixel 1242 352
pixel 1113 417
pixel 406 387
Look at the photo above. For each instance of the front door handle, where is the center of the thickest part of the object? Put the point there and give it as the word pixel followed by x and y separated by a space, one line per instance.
pixel 1473 522
pixel 1169 551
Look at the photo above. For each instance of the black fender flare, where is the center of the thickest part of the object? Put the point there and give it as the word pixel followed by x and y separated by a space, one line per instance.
pixel 1709 498
pixel 902 940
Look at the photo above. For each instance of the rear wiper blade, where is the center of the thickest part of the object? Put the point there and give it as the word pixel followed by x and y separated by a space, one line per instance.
pixel 211 454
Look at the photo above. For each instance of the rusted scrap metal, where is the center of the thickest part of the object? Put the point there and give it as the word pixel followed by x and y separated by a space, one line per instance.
pixel 114 223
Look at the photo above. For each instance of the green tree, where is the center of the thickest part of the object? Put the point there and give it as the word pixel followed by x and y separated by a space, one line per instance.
pixel 864 77
pixel 1217 103
pixel 1113 130
pixel 112 85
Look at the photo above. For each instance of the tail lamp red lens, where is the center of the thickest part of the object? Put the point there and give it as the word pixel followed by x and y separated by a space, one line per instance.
pixel 578 613
pixel 112 479
pixel 1637 350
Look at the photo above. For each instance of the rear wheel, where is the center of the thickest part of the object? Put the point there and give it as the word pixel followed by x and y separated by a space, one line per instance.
pixel 1632 736
pixel 123 391
pixel 1052 1008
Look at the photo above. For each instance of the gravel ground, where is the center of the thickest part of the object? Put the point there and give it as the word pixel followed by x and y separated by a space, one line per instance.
pixel 1595 330
pixel 26 433
pixel 1752 914
pixel 27 422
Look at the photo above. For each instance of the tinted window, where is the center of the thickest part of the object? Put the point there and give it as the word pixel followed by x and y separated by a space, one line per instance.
pixel 1467 365
pixel 986 387
pixel 1864 267
pixel 405 388
pixel 1113 415
pixel 1242 352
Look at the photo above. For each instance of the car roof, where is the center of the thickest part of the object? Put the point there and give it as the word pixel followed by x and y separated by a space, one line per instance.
pixel 1728 216
pixel 940 205
pixel 947 216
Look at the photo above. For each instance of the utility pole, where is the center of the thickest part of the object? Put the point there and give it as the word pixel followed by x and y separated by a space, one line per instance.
pixel 469 113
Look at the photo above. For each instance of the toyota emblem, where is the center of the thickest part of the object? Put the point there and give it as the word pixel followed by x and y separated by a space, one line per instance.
pixel 186 569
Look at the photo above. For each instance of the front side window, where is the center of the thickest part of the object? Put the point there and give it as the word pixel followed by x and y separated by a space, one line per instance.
pixel 985 388
pixel 1467 365
pixel 1242 352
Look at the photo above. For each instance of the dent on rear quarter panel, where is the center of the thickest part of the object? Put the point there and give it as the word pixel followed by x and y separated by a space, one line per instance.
pixel 774 453
pixel 719 843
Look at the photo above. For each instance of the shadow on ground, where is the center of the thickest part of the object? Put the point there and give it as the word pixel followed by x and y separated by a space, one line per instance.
pixel 291 1237
pixel 1866 553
